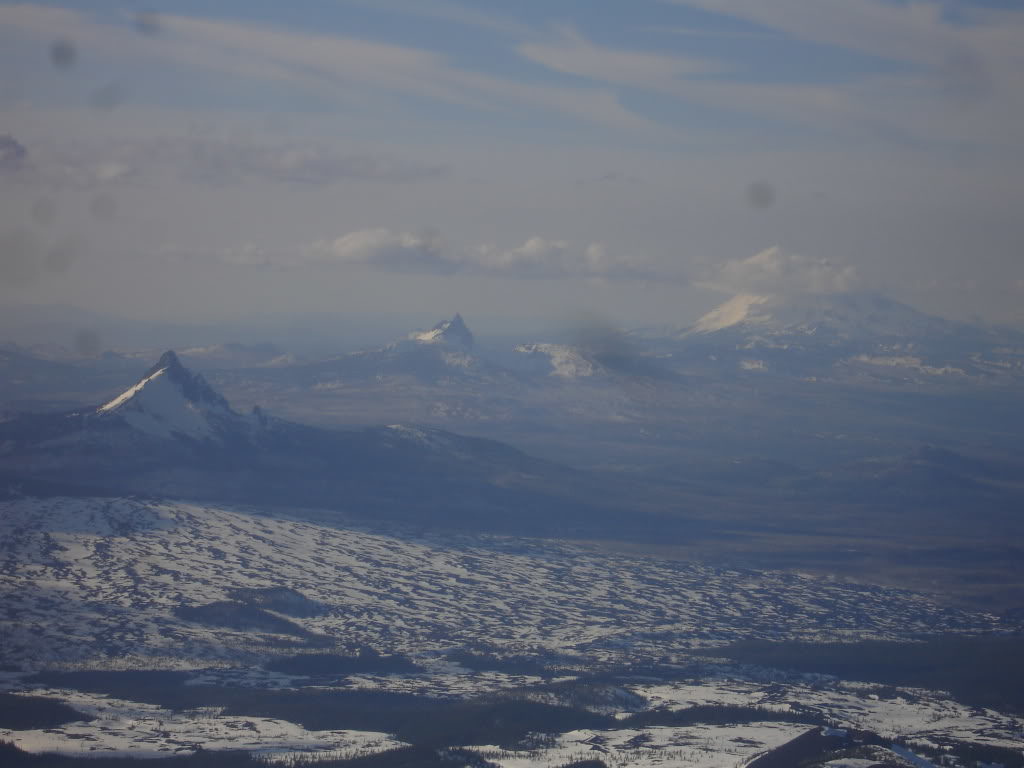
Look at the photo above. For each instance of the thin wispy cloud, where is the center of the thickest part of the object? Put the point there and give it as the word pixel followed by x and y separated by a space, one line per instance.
pixel 778 272
pixel 443 10
pixel 384 250
pixel 626 154
pixel 344 68
pixel 947 66
pixel 961 66
pixel 210 161
pixel 914 31
pixel 570 53
pixel 387 250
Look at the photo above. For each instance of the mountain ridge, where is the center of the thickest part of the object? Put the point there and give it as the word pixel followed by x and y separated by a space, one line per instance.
pixel 141 443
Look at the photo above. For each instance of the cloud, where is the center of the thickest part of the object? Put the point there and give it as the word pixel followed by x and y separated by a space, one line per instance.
pixel 220 162
pixel 249 255
pixel 954 80
pixel 959 65
pixel 346 70
pixel 537 257
pixel 21 256
pixel 543 258
pixel 914 31
pixel 387 250
pixel 210 161
pixel 774 271
pixel 13 155
pixel 610 177
pixel 954 72
pixel 572 54
pixel 26 256
pixel 443 10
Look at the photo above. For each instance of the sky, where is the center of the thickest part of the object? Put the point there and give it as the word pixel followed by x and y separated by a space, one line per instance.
pixel 641 160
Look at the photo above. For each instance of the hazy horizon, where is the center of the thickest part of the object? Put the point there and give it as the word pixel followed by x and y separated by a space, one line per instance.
pixel 193 163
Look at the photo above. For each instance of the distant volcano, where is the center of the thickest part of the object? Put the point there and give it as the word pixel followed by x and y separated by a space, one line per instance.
pixel 452 332
pixel 845 316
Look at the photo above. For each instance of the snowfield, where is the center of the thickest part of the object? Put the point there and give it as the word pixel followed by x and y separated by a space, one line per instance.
pixel 125 728
pixel 698 746
pixel 914 715
pixel 102 583
pixel 95 580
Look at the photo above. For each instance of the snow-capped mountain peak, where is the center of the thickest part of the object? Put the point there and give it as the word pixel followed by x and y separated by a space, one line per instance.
pixel 170 400
pixel 452 331
pixel 738 309
pixel 835 315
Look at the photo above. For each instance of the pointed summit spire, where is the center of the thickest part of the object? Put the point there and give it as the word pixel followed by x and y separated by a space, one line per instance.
pixel 452 331
pixel 171 400
pixel 191 387
pixel 455 331
pixel 168 361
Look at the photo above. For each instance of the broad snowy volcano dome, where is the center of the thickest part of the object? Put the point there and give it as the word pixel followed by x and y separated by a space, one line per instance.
pixel 846 316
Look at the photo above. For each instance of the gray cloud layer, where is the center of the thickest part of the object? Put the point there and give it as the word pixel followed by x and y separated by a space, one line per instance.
pixel 13 155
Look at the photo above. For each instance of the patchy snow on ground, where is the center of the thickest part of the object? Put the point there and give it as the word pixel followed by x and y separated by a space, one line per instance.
pixel 100 583
pixel 92 580
pixel 909 714
pixel 698 746
pixel 565 361
pixel 125 728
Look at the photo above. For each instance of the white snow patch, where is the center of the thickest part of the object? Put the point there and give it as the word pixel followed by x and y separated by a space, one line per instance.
pixel 157 406
pixel 736 310
pixel 565 361
pixel 78 570
pixel 125 728
pixel 698 746
pixel 907 361
pixel 129 393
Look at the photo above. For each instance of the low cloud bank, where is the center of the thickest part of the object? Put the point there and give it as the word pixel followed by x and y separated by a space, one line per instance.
pixel 775 271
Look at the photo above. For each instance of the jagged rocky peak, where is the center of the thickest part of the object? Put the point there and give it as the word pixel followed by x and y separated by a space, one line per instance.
pixel 452 332
pixel 192 385
pixel 171 400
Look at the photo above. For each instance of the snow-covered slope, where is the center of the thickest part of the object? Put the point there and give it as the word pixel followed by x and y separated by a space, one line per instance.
pixel 853 336
pixel 738 309
pixel 170 401
pixel 560 360
pixel 840 316
pixel 150 565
